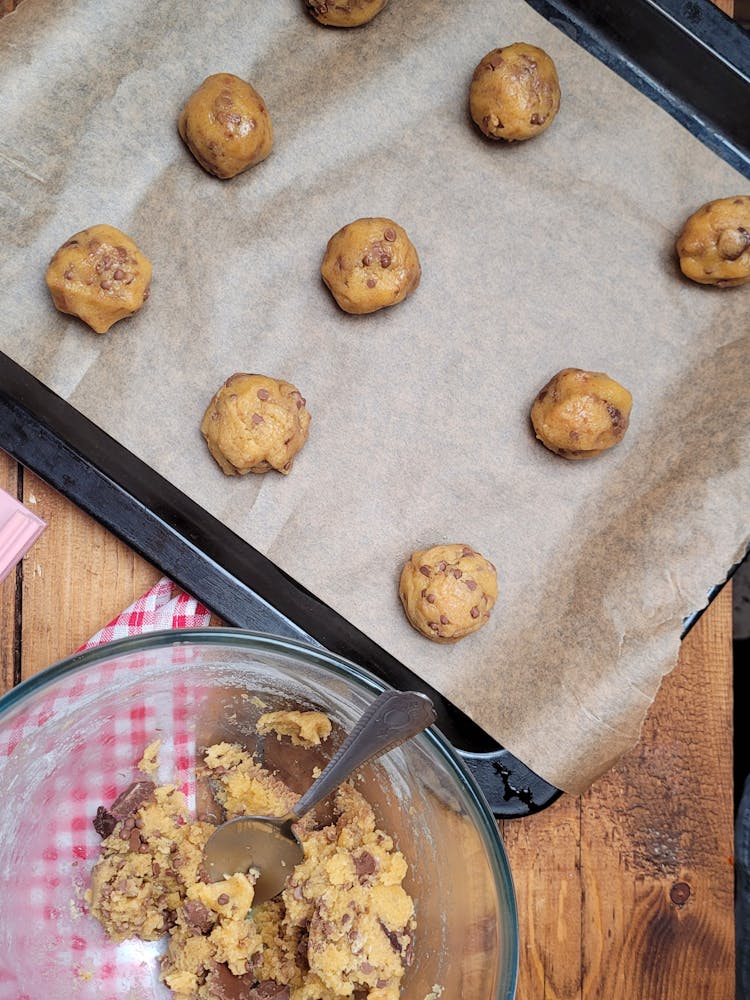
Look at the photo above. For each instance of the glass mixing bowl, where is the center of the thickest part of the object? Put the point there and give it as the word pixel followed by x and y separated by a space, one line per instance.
pixel 70 740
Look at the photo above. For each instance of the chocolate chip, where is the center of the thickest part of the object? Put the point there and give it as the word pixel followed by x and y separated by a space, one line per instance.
pixel 68 274
pixel 131 800
pixel 256 418
pixel 615 415
pixel 474 612
pixel 430 598
pixel 441 566
pixel 457 573
pixel 119 274
pixel 385 260
pixel 366 968
pixel 222 899
pixel 263 394
pixel 134 841
pixel 367 260
pixel 106 284
pixel 155 869
pixel 537 119
pixel 371 282
pixel 104 822
pixel 434 626
pixel 390 235
pixel 444 620
pixel 424 570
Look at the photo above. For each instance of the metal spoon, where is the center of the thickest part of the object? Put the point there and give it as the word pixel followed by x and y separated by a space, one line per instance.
pixel 268 843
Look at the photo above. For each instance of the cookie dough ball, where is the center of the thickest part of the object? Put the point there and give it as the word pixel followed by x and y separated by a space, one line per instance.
pixel 448 591
pixel 226 126
pixel 370 264
pixel 344 13
pixel 255 423
pixel 580 414
pixel 515 92
pixel 714 245
pixel 100 276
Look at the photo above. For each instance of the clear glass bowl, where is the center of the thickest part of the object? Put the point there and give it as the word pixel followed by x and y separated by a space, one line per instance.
pixel 70 739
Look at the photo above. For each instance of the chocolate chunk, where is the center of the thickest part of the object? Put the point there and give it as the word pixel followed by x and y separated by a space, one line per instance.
pixel 198 916
pixel 224 985
pixel 365 864
pixel 131 800
pixel 104 822
pixel 269 990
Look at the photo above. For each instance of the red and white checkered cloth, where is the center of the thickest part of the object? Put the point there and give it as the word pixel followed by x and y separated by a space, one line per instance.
pixel 86 964
pixel 164 606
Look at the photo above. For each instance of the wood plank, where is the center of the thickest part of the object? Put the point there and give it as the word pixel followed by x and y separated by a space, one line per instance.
pixel 76 578
pixel 627 892
pixel 669 853
pixel 9 609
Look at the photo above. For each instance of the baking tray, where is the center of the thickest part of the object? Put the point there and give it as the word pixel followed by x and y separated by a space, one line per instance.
pixel 689 58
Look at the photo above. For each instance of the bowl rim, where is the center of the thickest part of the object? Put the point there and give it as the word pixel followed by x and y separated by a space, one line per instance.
pixel 224 636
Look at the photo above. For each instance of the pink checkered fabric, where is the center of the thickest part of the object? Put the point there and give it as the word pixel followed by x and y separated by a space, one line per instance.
pixel 55 912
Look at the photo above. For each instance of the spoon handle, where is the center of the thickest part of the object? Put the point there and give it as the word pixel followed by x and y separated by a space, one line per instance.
pixel 393 718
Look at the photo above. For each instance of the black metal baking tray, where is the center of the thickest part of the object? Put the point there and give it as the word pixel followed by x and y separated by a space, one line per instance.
pixel 687 57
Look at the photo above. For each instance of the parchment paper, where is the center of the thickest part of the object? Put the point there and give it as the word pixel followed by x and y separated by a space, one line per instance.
pixel 552 253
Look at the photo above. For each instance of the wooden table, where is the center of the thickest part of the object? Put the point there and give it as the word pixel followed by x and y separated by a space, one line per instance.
pixel 625 893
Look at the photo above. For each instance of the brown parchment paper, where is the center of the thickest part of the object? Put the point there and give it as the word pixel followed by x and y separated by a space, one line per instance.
pixel 557 252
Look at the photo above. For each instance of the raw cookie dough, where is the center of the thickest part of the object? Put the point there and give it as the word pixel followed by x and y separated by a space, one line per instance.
pixel 343 926
pixel 344 13
pixel 100 276
pixel 580 414
pixel 226 125
pixel 448 591
pixel 255 423
pixel 714 245
pixel 305 729
pixel 370 264
pixel 514 93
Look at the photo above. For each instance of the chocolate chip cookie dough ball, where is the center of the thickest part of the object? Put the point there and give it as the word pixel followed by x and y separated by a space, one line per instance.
pixel 448 591
pixel 514 93
pixel 255 423
pixel 226 126
pixel 714 245
pixel 370 264
pixel 344 13
pixel 100 276
pixel 580 414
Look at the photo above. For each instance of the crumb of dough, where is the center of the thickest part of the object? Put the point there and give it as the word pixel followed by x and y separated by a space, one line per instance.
pixel 305 729
pixel 100 276
pixel 448 591
pixel 435 993
pixel 149 762
pixel 343 926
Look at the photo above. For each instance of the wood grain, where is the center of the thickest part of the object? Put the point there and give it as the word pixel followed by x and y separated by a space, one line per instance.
pixel 9 608
pixel 627 892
